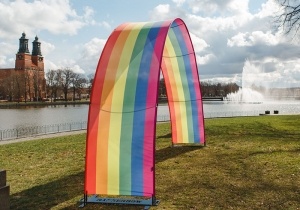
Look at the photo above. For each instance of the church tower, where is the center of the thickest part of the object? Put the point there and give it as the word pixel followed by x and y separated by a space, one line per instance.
pixel 27 61
pixel 23 57
pixel 31 67
pixel 23 46
pixel 37 57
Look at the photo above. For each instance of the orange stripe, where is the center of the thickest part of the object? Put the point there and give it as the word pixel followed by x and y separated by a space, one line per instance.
pixel 104 115
pixel 174 106
pixel 169 92
pixel 92 133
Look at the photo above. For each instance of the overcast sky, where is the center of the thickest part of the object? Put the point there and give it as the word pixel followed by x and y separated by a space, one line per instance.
pixel 228 35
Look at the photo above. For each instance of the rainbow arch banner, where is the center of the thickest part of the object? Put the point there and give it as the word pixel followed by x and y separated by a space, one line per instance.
pixel 120 147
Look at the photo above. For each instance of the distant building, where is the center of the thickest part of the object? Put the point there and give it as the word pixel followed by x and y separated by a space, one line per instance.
pixel 27 80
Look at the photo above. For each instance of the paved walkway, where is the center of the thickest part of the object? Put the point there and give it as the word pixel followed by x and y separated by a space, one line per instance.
pixel 41 137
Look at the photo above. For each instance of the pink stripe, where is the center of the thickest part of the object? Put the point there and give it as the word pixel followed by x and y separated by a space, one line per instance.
pixel 150 124
pixel 189 45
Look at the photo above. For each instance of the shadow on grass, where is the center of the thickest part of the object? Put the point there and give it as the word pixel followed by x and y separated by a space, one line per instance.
pixel 274 151
pixel 171 152
pixel 50 194
pixel 166 136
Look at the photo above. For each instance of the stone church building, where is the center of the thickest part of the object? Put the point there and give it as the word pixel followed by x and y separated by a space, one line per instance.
pixel 26 81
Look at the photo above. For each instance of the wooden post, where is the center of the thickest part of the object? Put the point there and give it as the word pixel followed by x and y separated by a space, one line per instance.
pixel 4 191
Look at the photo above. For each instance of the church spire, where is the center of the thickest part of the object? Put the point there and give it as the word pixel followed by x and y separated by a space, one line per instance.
pixel 23 44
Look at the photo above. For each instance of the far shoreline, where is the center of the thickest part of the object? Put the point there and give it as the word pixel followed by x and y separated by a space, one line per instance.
pixel 10 105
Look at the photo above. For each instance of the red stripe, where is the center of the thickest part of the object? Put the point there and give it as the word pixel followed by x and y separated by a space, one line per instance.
pixel 196 82
pixel 93 118
pixel 104 116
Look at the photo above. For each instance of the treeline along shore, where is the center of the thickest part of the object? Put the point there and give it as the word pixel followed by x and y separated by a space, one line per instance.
pixel 35 104
pixel 6 104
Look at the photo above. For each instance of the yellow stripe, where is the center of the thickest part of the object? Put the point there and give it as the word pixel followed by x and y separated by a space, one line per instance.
pixel 117 106
pixel 180 106
pixel 104 116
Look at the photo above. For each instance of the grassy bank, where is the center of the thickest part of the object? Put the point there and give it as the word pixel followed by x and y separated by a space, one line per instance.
pixel 248 163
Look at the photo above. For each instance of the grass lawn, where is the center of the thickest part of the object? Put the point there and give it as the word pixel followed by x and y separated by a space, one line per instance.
pixel 248 163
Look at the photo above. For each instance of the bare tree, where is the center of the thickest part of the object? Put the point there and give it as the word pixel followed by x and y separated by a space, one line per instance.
pixel 2 91
pixel 8 84
pixel 37 84
pixel 26 80
pixel 65 80
pixel 67 76
pixel 52 84
pixel 289 17
pixel 78 82
pixel 90 83
pixel 230 88
pixel 162 88
pixel 18 86
pixel 14 85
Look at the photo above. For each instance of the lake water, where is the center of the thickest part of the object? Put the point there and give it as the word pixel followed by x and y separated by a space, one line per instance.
pixel 30 116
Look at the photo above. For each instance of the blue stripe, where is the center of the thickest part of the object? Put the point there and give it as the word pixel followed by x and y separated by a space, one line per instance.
pixel 191 80
pixel 138 135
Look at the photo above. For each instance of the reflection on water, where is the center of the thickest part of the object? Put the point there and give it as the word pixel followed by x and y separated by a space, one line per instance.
pixel 251 109
pixel 38 116
pixel 286 107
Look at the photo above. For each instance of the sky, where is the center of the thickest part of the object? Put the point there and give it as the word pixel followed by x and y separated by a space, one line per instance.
pixel 229 36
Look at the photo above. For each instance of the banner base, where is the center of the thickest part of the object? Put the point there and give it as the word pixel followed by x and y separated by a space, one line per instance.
pixel 189 145
pixel 95 199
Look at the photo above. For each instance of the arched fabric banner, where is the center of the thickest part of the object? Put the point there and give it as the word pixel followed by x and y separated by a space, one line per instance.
pixel 120 150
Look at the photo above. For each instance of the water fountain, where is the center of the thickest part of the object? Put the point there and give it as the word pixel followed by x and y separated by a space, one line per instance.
pixel 246 94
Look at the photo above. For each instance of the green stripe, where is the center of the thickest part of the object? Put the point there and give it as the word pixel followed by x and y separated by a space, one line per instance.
pixel 184 84
pixel 128 107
